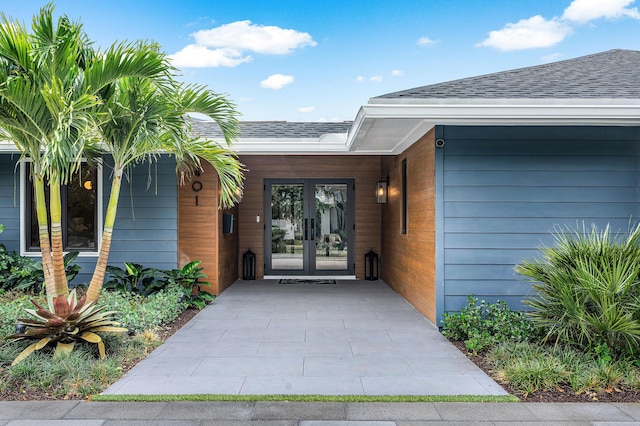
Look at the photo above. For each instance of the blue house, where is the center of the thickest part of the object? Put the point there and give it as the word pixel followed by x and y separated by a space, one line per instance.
pixel 475 174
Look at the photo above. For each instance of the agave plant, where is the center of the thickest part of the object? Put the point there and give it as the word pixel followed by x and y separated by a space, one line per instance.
pixel 67 321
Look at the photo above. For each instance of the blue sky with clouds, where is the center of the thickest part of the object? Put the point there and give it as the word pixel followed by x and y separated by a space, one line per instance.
pixel 320 60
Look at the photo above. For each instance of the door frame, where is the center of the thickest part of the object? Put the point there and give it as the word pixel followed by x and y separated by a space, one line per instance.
pixel 308 202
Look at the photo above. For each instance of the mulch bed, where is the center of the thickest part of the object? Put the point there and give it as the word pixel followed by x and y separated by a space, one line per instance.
pixel 562 394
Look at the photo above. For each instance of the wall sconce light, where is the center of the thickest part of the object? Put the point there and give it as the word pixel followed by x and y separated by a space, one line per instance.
pixel 382 191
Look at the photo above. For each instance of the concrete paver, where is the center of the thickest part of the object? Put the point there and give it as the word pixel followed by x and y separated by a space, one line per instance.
pixel 318 414
pixel 354 337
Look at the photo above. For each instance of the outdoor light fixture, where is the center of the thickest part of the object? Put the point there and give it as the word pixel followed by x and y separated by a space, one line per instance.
pixel 382 191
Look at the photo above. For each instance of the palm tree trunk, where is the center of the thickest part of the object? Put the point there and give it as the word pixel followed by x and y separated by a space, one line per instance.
pixel 97 279
pixel 55 207
pixel 43 234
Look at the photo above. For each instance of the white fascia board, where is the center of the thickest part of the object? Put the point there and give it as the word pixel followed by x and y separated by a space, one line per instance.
pixel 492 113
pixel 326 144
pixel 497 113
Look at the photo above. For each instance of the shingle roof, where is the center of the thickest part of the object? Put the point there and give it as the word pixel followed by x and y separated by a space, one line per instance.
pixel 274 129
pixel 611 74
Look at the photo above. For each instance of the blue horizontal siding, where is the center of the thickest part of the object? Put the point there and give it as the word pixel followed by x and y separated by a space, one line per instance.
pixel 521 178
pixel 146 222
pixel 534 193
pixel 521 225
pixel 146 227
pixel 506 189
pixel 534 162
pixel 10 201
pixel 483 209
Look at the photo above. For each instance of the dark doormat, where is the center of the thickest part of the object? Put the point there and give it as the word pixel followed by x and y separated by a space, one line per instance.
pixel 302 281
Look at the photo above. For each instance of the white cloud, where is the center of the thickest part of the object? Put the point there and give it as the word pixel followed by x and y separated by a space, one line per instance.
pixel 583 11
pixel 332 119
pixel 397 73
pixel 426 41
pixel 228 44
pixel 194 56
pixel 540 32
pixel 375 79
pixel 244 35
pixel 553 57
pixel 276 81
pixel 527 34
pixel 307 109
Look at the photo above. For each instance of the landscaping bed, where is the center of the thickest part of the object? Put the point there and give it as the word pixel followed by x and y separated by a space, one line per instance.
pixel 22 393
pixel 560 394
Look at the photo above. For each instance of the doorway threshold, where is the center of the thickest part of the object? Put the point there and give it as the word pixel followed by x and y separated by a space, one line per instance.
pixel 309 277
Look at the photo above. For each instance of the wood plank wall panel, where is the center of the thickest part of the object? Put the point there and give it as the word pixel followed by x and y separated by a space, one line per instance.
pixel 227 252
pixel 506 189
pixel 198 226
pixel 364 169
pixel 409 259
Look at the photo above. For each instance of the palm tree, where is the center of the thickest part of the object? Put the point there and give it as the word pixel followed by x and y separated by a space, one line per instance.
pixel 59 100
pixel 50 85
pixel 145 120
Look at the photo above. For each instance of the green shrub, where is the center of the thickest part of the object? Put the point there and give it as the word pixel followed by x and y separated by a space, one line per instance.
pixel 26 273
pixel 482 325
pixel 587 290
pixel 191 278
pixel 134 278
pixel 138 313
pixel 12 307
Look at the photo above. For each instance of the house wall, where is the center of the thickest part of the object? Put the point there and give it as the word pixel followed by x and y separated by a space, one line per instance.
pixel 227 252
pixel 198 223
pixel 364 169
pixel 504 189
pixel 200 235
pixel 10 201
pixel 146 222
pixel 408 260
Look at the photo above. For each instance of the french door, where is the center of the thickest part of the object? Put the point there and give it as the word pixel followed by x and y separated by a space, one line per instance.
pixel 309 227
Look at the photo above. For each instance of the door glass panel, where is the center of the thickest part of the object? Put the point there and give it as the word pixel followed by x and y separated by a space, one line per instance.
pixel 286 227
pixel 331 227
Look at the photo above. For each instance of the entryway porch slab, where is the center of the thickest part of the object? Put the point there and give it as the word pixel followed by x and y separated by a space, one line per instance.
pixel 351 338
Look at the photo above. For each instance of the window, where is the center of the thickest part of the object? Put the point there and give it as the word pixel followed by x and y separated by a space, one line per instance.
pixel 80 207
pixel 404 196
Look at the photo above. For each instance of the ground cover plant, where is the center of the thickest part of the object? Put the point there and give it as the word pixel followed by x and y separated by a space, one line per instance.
pixel 81 373
pixel 580 339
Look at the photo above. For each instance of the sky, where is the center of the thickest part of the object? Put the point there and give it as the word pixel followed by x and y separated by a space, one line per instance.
pixel 310 60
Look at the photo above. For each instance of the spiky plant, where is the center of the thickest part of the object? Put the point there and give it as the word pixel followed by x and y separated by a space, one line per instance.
pixel 587 289
pixel 67 321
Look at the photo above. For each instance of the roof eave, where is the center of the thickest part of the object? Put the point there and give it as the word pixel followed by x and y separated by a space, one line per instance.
pixel 419 117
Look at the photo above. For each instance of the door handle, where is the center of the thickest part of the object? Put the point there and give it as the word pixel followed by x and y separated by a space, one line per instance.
pixel 313 229
pixel 306 227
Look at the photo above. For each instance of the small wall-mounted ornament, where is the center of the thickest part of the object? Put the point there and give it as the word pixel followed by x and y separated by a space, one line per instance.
pixel 196 186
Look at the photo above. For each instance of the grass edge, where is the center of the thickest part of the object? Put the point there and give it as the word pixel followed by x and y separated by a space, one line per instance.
pixel 302 398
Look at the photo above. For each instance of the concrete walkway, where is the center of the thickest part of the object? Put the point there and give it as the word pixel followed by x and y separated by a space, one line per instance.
pixel 349 338
pixel 80 413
